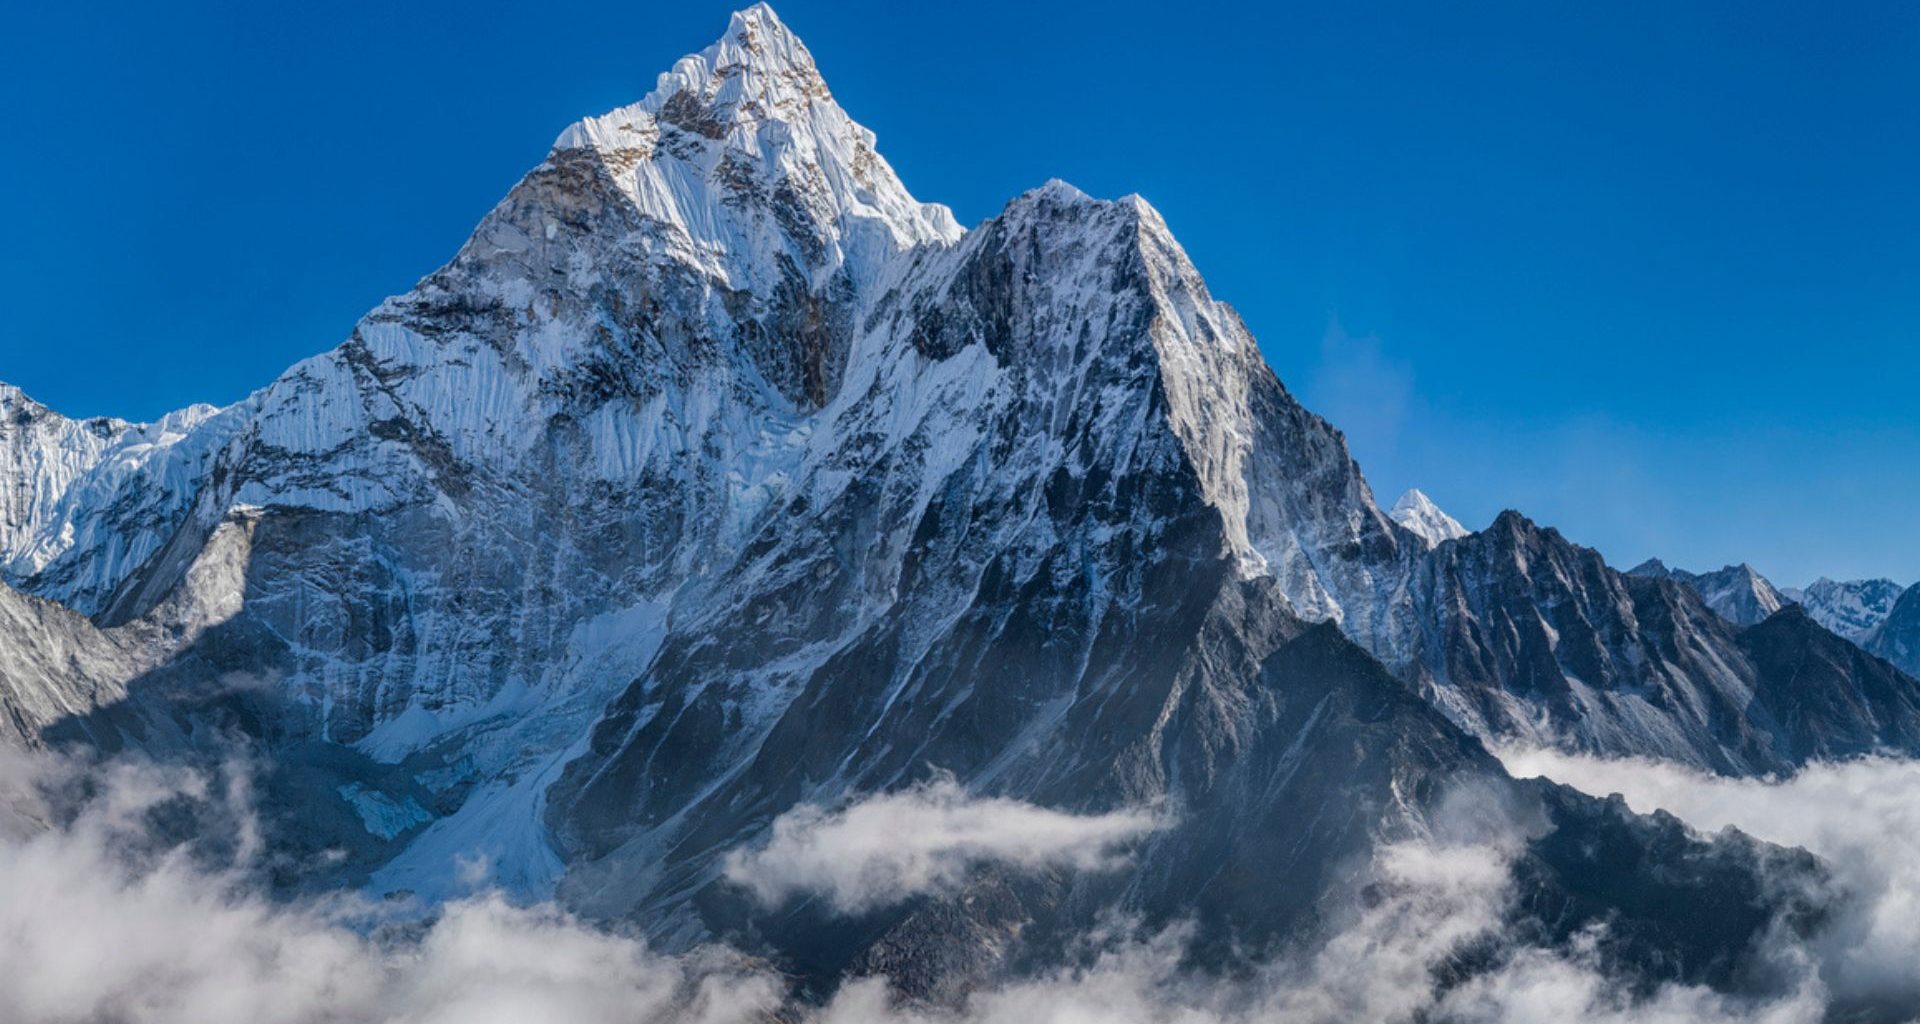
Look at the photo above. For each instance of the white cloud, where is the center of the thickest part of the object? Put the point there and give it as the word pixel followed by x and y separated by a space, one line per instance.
pixel 1433 900
pixel 1862 817
pixel 1538 987
pixel 102 917
pixel 888 847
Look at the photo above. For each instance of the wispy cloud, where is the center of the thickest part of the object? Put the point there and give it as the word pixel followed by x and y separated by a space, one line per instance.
pixel 885 848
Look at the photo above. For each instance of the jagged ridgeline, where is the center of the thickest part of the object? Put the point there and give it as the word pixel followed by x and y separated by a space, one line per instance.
pixel 716 476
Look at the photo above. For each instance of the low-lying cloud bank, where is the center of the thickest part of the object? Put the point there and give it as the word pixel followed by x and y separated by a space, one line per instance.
pixel 1434 900
pixel 892 846
pixel 110 916
pixel 1862 817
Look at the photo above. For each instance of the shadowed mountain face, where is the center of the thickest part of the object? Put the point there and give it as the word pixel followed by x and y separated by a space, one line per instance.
pixel 1831 699
pixel 1897 639
pixel 1879 615
pixel 716 476
pixel 1526 637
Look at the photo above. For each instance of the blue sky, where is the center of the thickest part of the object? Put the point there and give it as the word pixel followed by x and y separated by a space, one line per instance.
pixel 1649 272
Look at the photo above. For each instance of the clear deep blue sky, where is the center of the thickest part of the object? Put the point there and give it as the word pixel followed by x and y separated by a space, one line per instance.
pixel 1649 272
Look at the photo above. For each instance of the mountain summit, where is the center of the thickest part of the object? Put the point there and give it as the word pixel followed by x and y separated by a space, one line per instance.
pixel 1418 513
pixel 742 149
pixel 1738 593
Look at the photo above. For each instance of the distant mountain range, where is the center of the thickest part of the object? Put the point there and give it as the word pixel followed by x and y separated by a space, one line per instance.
pixel 1879 616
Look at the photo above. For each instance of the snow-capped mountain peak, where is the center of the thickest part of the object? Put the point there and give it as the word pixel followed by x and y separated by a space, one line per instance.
pixel 758 71
pixel 749 119
pixel 100 484
pixel 1851 608
pixel 1418 513
pixel 1737 593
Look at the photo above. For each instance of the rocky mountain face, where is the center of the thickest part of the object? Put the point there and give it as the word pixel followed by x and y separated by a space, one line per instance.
pixel 57 664
pixel 1897 637
pixel 1880 616
pixel 1524 636
pixel 717 475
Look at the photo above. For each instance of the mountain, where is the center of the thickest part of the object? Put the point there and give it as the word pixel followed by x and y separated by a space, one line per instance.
pixel 706 404
pixel 57 664
pixel 1879 615
pixel 1736 592
pixel 698 315
pixel 1524 636
pixel 85 502
pixel 716 477
pixel 1897 637
pixel 1852 609
pixel 1421 516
